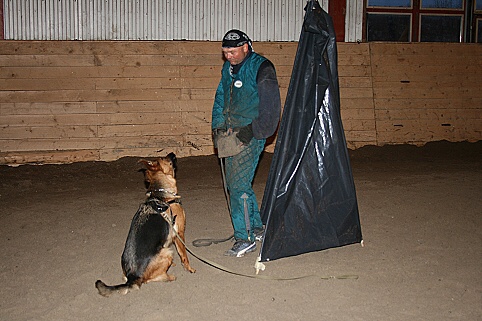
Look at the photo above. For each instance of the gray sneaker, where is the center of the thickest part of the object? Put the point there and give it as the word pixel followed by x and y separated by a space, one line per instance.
pixel 240 248
pixel 258 234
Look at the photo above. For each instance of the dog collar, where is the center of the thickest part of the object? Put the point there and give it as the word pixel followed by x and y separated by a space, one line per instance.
pixel 163 190
pixel 175 198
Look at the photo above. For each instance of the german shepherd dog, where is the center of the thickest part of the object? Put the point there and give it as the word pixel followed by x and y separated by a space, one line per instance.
pixel 147 255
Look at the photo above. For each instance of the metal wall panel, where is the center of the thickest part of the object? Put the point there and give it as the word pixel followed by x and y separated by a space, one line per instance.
pixel 262 20
pixel 354 21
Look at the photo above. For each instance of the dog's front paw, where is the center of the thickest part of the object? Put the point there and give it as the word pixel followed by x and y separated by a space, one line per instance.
pixel 189 268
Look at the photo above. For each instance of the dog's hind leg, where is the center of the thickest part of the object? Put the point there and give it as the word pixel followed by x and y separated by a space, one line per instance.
pixel 158 267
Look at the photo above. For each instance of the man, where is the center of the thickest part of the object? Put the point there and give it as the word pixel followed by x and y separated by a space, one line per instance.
pixel 247 104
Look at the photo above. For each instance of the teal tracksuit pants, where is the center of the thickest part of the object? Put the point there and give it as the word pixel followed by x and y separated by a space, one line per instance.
pixel 240 170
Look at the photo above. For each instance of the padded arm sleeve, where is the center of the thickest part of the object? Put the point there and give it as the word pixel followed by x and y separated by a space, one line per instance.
pixel 269 102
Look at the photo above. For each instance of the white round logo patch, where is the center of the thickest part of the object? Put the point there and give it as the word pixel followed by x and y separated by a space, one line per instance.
pixel 238 84
pixel 232 36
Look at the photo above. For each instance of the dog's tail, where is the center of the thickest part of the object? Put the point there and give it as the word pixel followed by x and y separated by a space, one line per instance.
pixel 108 290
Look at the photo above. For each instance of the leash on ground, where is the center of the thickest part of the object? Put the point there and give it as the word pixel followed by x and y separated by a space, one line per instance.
pixel 258 265
pixel 207 242
pixel 265 277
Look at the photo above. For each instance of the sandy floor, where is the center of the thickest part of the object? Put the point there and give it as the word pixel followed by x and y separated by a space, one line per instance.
pixel 62 227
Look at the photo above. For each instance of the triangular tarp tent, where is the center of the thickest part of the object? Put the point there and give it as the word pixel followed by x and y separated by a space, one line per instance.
pixel 309 202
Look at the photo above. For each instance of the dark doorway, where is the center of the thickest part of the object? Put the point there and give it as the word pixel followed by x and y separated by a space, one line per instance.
pixel 337 11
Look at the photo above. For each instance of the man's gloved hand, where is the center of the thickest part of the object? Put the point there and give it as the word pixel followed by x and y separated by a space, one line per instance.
pixel 245 134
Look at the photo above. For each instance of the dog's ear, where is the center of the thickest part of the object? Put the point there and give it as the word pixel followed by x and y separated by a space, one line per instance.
pixel 144 161
pixel 173 159
pixel 153 166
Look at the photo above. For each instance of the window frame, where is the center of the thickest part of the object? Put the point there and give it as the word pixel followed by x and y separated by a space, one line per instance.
pixel 416 11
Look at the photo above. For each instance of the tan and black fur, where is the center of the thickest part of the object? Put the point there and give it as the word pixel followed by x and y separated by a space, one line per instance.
pixel 147 255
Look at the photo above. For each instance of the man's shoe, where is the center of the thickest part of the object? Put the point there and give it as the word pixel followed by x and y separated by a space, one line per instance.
pixel 240 248
pixel 258 234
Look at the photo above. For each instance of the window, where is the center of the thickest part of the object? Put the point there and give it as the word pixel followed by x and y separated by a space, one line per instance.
pixel 440 28
pixel 388 27
pixel 417 20
pixel 389 3
pixel 478 20
pixel 442 4
pixel 479 31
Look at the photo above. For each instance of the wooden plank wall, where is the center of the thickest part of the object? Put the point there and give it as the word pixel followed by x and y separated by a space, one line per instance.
pixel 427 92
pixel 68 101
pixel 356 94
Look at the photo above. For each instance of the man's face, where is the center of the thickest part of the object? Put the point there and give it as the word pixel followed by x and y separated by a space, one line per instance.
pixel 236 55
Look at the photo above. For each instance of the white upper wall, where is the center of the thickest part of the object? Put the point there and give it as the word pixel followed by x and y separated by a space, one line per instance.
pixel 269 20
pixel 262 20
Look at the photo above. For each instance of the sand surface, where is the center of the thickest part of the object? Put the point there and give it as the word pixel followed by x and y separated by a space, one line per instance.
pixel 62 227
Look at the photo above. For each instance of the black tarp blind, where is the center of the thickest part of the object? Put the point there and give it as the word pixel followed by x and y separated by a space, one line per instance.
pixel 310 202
